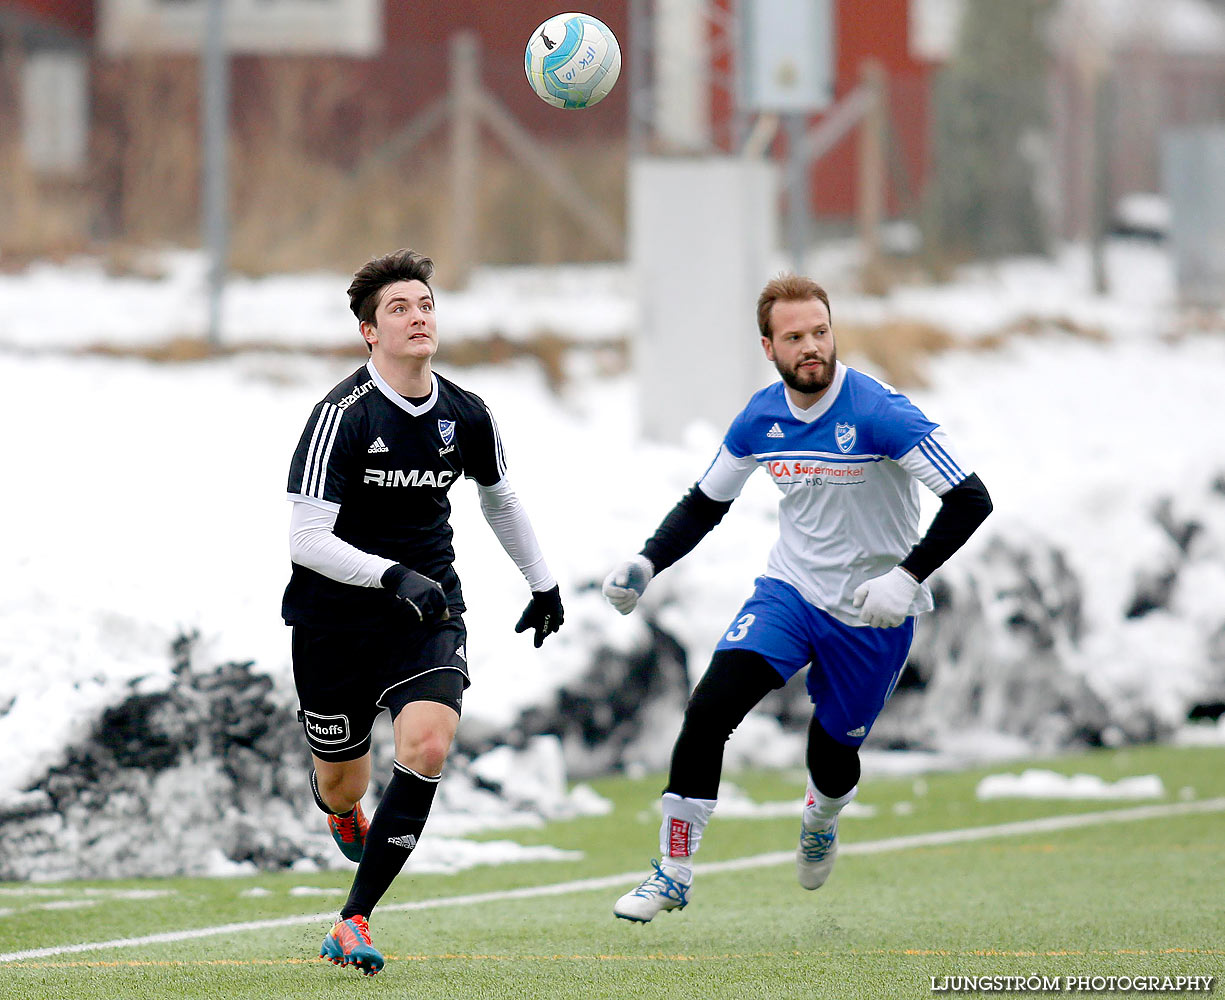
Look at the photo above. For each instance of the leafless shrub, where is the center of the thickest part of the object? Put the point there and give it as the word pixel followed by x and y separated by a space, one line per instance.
pixel 147 172
pixel 316 181
pixel 897 348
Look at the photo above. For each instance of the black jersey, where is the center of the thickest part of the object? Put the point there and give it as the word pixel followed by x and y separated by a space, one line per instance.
pixel 385 464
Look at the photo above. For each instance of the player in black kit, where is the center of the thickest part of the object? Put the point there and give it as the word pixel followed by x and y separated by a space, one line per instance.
pixel 373 599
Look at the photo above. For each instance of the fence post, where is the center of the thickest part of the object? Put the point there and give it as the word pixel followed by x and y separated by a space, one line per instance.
pixel 871 194
pixel 465 151
pixel 215 136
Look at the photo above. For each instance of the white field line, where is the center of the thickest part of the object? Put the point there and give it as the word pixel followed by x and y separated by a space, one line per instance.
pixel 939 838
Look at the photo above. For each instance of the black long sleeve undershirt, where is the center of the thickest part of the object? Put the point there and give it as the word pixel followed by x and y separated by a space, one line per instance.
pixel 962 510
pixel 686 524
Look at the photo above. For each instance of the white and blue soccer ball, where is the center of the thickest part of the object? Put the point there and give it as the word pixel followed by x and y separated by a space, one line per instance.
pixel 572 61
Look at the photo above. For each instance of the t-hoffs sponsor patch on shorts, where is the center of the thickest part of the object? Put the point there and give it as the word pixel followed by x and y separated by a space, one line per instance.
pixel 330 729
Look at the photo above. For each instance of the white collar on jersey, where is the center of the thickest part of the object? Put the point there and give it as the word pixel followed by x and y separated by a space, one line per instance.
pixel 410 408
pixel 822 405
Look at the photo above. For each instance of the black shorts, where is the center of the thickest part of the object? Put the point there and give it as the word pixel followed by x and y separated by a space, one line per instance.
pixel 345 677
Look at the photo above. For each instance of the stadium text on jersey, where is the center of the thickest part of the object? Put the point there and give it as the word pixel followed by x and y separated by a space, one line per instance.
pixel 355 395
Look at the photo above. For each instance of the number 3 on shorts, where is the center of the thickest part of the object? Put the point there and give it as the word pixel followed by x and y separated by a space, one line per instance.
pixel 741 629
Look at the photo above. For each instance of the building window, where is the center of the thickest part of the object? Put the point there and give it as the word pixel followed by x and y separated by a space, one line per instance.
pixel 54 111
pixel 934 26
pixel 348 27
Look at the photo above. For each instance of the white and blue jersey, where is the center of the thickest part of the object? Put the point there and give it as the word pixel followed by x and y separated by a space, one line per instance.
pixel 848 469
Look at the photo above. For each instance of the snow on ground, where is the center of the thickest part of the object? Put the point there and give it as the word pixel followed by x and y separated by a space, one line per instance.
pixel 1202 734
pixel 1037 783
pixel 141 499
pixel 169 299
pixel 435 855
pixel 986 299
pixel 735 803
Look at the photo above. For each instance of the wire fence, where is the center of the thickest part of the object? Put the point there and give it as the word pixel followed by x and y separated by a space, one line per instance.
pixel 331 157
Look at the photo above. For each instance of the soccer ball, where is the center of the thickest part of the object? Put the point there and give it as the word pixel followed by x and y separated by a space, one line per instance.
pixel 572 61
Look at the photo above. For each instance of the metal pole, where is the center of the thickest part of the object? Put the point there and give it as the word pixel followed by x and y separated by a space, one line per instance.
pixel 641 102
pixel 799 196
pixel 214 117
pixel 1091 57
pixel 1100 208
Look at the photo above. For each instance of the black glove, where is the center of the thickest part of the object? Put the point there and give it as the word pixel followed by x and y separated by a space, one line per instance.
pixel 421 596
pixel 544 614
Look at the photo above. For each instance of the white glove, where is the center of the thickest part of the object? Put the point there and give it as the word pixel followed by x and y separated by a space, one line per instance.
pixel 884 601
pixel 625 584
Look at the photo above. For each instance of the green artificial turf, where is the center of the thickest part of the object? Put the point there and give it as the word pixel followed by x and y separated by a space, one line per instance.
pixel 1123 899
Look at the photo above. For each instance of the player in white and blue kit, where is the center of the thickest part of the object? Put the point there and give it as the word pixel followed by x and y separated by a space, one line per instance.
pixel 841 588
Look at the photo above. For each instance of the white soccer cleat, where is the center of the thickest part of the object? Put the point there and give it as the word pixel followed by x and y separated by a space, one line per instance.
pixel 659 892
pixel 814 858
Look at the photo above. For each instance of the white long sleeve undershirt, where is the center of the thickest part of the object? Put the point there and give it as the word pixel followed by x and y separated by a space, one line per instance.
pixel 510 523
pixel 313 542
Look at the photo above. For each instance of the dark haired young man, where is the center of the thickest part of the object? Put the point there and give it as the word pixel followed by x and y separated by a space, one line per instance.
pixel 373 599
pixel 841 587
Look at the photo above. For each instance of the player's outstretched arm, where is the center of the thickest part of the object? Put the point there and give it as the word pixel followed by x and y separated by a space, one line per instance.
pixel 509 521
pixel 962 510
pixel 884 601
pixel 543 613
pixel 625 584
pixel 686 524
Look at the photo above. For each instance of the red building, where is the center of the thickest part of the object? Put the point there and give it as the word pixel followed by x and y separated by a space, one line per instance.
pixel 879 31
pixel 72 17
pixel 882 32
pixel 365 77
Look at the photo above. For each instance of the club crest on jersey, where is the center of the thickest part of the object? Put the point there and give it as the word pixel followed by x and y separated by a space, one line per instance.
pixel 844 434
pixel 446 428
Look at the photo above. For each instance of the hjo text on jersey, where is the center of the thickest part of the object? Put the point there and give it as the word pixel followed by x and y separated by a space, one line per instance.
pixel 413 477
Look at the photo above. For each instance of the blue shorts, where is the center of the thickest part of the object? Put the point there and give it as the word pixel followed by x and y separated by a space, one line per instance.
pixel 854 669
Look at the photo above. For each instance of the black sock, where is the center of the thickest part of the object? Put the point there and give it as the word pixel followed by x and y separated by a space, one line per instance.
pixel 397 823
pixel 319 798
pixel 834 766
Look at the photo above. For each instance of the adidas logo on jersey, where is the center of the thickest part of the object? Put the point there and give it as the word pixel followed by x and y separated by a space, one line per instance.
pixel 858 731
pixel 377 446
pixel 408 842
pixel 774 432
pixel 459 651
